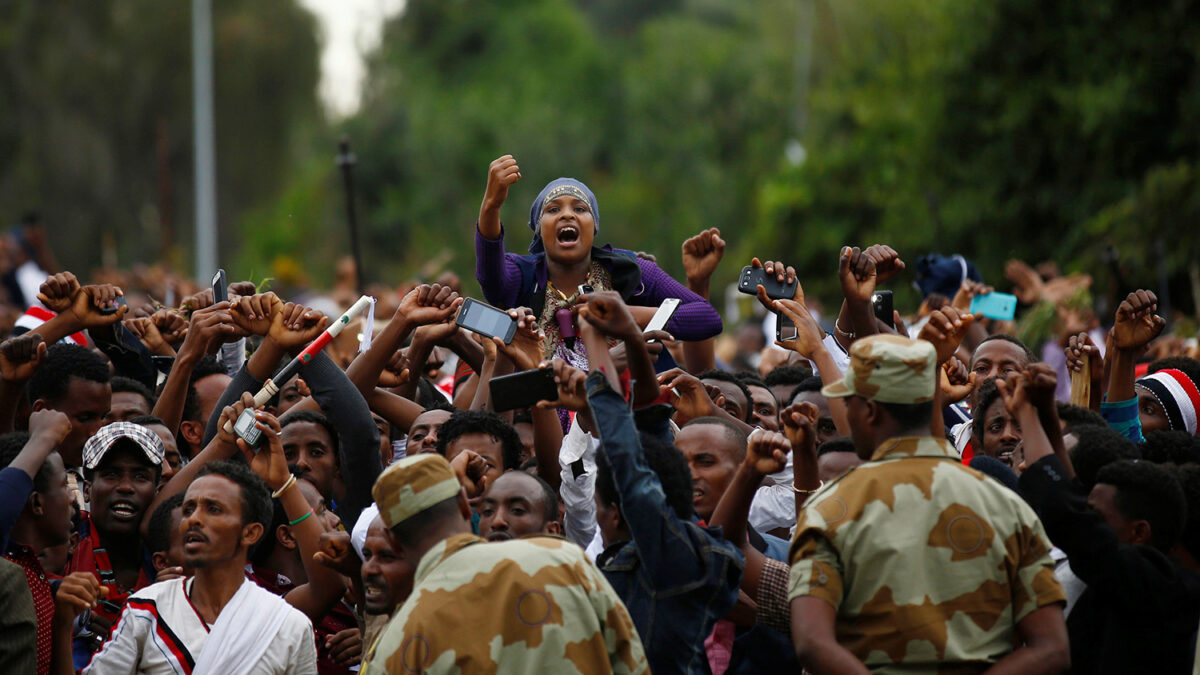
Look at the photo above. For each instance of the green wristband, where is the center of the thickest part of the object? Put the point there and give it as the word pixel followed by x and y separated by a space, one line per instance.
pixel 300 519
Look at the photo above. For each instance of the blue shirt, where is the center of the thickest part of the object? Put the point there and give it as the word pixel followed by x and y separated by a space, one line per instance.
pixel 675 577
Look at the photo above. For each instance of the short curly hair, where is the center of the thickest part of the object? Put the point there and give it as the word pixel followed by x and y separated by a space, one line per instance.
pixel 463 422
pixel 64 361
pixel 1097 448
pixel 787 375
pixel 158 532
pixel 1176 447
pixel 1149 492
pixel 722 376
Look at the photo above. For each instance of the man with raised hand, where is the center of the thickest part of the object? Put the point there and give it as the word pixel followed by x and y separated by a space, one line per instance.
pixel 544 605
pixel 912 560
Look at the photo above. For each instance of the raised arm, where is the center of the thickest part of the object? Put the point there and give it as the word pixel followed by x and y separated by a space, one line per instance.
pixel 498 277
pixel 701 255
pixel 20 357
pixel 810 343
pixel 1136 325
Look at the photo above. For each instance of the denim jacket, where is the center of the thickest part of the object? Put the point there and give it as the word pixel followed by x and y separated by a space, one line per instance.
pixel 676 577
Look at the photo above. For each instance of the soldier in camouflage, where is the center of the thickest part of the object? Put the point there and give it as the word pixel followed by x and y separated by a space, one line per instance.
pixel 913 562
pixel 530 605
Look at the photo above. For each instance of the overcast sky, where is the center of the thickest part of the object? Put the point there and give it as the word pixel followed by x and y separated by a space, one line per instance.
pixel 349 29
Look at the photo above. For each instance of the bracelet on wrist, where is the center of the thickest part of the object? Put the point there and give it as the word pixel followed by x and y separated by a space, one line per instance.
pixel 286 484
pixel 806 493
pixel 299 520
pixel 843 333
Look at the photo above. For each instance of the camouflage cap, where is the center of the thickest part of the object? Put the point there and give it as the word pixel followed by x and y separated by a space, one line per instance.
pixel 412 485
pixel 888 369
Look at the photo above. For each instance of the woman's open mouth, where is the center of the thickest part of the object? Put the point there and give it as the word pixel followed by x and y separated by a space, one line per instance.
pixel 568 235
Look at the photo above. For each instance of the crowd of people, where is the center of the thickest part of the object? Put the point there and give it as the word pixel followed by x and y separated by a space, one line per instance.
pixel 904 491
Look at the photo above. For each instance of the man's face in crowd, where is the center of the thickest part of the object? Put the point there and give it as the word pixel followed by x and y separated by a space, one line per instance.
pixel 782 391
pixel 385 438
pixel 486 446
pixel 1150 412
pixel 122 487
pixel 525 433
pixel 826 429
pixel 997 358
pixel 387 577
pixel 514 506
pixel 208 392
pixel 423 434
pixel 86 405
pixel 127 405
pixel 309 446
pixel 713 459
pixel 735 401
pixel 1103 499
pixel 172 460
pixel 833 464
pixel 212 527
pixel 1001 434
pixel 173 556
pixel 320 507
pixel 54 521
pixel 764 409
pixel 567 227
pixel 290 395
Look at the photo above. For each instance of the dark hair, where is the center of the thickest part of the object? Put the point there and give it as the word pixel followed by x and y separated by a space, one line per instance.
pixel 11 445
pixel 463 422
pixel 64 361
pixel 668 465
pixel 1186 365
pixel 1149 492
pixel 987 395
pixel 1177 447
pixel 732 432
pixel 440 403
pixel 809 384
pixel 1189 480
pixel 1029 355
pixel 750 379
pixel 314 417
pixel 256 496
pixel 723 376
pixel 191 403
pixel 787 375
pixel 1074 415
pixel 839 444
pixel 909 415
pixel 1098 447
pixel 407 530
pixel 120 383
pixel 158 531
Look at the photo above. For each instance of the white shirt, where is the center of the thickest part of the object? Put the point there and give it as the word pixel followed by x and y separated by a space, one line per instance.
pixel 160 632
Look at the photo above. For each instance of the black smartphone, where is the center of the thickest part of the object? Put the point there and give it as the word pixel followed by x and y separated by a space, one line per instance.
pixel 219 287
pixel 118 303
pixel 753 277
pixel 521 390
pixel 482 318
pixel 884 311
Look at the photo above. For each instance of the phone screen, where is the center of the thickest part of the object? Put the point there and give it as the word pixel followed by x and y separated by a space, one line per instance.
pixel 485 319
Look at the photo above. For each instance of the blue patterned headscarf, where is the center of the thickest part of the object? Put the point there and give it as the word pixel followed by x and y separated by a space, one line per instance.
pixel 554 189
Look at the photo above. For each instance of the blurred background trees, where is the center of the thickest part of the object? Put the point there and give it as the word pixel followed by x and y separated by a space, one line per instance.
pixel 1033 129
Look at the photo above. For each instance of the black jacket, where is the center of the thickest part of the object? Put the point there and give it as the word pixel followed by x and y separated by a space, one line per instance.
pixel 1141 607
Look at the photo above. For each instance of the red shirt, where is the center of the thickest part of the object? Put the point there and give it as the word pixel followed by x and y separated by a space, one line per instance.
pixel 43 599
pixel 90 556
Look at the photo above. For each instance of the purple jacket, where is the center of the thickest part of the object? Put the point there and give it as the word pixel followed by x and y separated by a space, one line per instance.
pixel 508 278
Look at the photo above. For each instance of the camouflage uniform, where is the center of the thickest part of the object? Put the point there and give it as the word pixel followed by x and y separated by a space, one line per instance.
pixel 929 564
pixel 525 606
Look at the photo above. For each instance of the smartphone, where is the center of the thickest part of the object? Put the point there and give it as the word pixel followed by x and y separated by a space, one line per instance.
pixel 246 430
pixel 785 329
pixel 753 277
pixel 999 306
pixel 584 289
pixel 663 315
pixel 884 310
pixel 219 287
pixel 521 390
pixel 117 304
pixel 482 318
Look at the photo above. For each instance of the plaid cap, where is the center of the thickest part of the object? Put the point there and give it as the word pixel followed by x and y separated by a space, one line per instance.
pixel 412 485
pixel 888 369
pixel 96 446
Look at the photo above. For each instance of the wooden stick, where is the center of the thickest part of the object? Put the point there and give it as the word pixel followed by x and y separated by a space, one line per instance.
pixel 1081 383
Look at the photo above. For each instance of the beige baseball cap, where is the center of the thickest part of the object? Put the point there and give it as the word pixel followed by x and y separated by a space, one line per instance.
pixel 888 369
pixel 412 485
